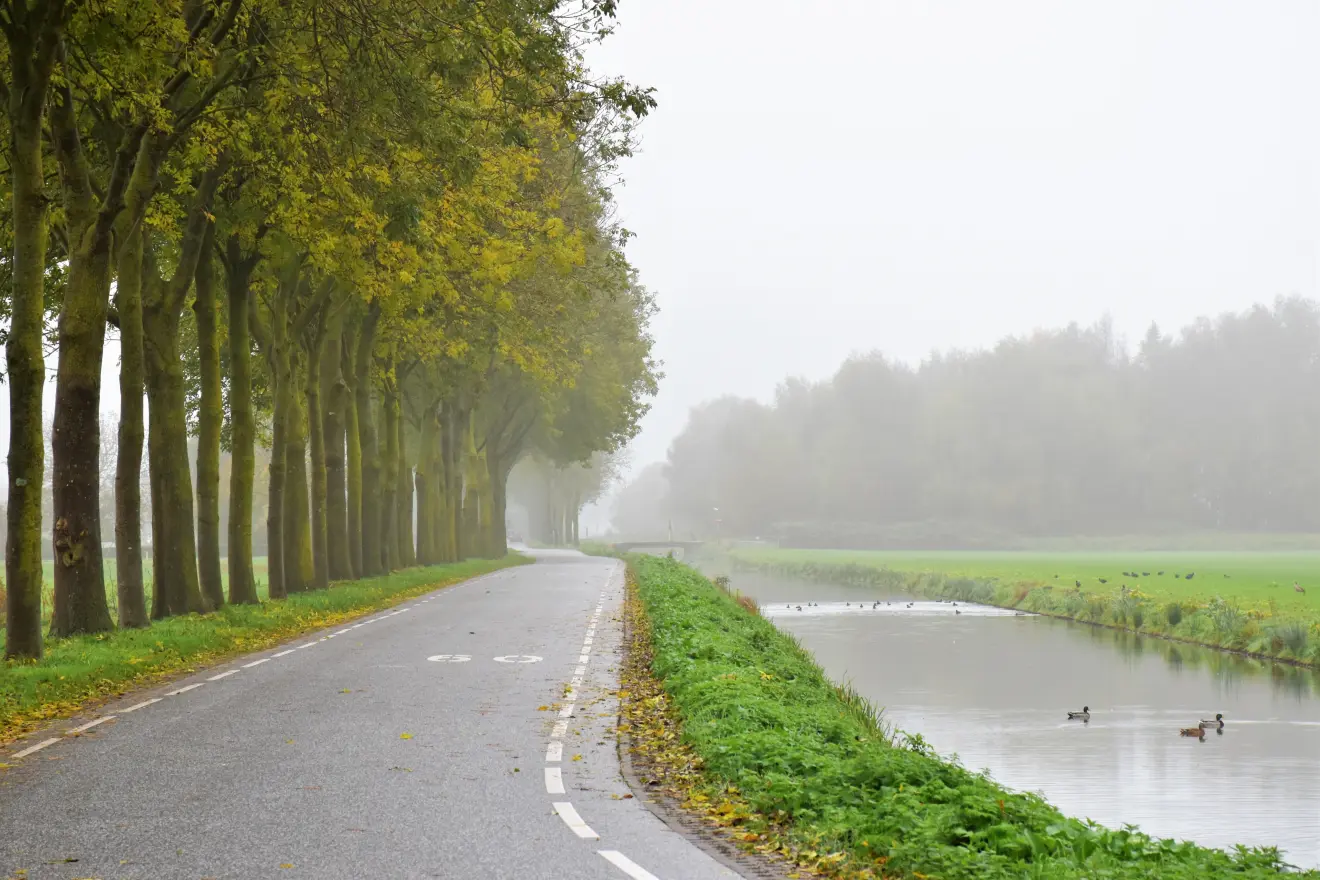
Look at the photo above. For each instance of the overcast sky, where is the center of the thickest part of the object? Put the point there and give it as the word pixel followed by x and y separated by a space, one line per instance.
pixel 830 177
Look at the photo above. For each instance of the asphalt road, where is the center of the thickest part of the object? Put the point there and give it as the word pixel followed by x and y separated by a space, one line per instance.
pixel 365 752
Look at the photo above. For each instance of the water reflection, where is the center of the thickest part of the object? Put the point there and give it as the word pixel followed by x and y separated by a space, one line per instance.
pixel 994 689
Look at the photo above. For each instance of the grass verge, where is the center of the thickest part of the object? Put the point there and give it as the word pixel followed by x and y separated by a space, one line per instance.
pixel 758 735
pixel 78 671
pixel 1241 602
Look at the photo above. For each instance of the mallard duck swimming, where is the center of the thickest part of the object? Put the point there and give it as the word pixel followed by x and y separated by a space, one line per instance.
pixel 1217 722
pixel 1198 732
pixel 1084 715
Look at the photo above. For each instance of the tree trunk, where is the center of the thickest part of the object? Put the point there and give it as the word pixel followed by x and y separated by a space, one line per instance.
pixel 174 550
pixel 425 481
pixel 30 68
pixel 353 476
pixel 498 474
pixel 128 458
pixel 389 479
pixel 299 571
pixel 275 546
pixel 334 398
pixel 319 479
pixel 372 557
pixel 209 418
pixel 403 525
pixel 243 431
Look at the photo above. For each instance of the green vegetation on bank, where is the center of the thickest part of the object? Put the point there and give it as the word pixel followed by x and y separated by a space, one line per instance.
pixel 83 668
pixel 806 755
pixel 1239 601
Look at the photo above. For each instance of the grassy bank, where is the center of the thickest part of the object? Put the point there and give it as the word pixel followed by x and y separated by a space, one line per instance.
pixel 800 760
pixel 79 670
pixel 1239 601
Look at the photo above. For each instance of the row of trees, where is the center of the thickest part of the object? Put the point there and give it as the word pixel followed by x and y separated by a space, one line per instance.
pixel 370 235
pixel 1059 433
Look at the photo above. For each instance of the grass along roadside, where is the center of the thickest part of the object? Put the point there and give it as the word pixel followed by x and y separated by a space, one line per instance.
pixel 83 669
pixel 1241 602
pixel 800 765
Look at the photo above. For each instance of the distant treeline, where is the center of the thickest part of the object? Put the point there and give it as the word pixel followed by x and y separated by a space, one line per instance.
pixel 1063 432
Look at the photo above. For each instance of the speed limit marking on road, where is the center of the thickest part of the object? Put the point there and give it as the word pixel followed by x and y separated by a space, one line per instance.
pixel 518 658
pixel 450 658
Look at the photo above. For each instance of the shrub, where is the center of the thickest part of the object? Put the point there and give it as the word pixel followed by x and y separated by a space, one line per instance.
pixel 1293 635
pixel 1173 613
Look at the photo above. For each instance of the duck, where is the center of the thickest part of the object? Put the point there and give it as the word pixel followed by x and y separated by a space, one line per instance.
pixel 1084 715
pixel 1217 722
pixel 1198 732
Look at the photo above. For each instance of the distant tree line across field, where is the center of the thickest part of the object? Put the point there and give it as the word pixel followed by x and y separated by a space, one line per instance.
pixel 1058 433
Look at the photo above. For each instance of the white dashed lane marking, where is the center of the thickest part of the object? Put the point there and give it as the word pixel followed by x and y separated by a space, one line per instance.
pixel 554 752
pixel 142 705
pixel 90 724
pixel 47 742
pixel 627 865
pixel 574 821
pixel 186 688
pixel 256 663
pixel 554 780
pixel 224 674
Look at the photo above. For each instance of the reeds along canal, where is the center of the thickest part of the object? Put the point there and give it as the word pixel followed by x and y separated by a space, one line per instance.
pixel 994 688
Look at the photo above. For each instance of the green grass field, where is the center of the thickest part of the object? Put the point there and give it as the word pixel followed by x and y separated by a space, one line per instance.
pixel 1237 600
pixel 1253 580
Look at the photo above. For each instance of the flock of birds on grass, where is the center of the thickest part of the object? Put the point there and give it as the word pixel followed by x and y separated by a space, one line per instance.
pixel 1217 723
pixel 861 606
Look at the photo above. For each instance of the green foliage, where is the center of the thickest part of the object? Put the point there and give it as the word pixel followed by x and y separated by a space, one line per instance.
pixel 802 753
pixel 1173 613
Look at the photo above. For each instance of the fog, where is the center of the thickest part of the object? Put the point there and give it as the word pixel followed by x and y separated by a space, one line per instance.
pixel 839 178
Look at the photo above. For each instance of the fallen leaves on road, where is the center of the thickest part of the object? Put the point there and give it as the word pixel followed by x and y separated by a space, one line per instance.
pixel 405 736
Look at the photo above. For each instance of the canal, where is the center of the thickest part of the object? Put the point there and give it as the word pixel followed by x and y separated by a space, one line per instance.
pixel 994 689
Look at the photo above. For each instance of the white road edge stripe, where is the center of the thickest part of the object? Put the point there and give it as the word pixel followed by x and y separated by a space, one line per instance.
pixel 554 780
pixel 626 865
pixel 285 653
pixel 184 690
pixel 89 725
pixel 50 742
pixel 554 752
pixel 253 663
pixel 574 821
pixel 142 705
pixel 223 675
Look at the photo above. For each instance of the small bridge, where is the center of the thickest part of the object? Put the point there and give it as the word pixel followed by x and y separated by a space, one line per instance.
pixel 680 549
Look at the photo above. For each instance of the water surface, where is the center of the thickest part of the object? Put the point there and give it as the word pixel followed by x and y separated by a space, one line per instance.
pixel 994 688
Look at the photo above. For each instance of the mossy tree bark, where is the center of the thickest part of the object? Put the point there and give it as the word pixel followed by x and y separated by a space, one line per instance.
pixel 210 416
pixel 372 556
pixel 132 434
pixel 334 396
pixel 319 476
pixel 298 566
pixel 174 553
pixel 242 424
pixel 389 477
pixel 352 456
pixel 33 35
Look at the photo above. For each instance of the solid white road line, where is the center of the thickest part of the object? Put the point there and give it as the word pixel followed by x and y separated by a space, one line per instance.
pixel 284 653
pixel 89 725
pixel 554 752
pixel 223 675
pixel 142 705
pixel 627 865
pixel 554 780
pixel 574 821
pixel 253 663
pixel 184 690
pixel 50 742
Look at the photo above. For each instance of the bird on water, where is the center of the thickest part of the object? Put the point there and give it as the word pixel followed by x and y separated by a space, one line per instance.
pixel 1084 715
